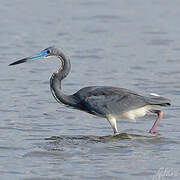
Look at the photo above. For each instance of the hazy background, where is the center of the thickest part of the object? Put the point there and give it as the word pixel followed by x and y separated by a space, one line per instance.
pixel 133 44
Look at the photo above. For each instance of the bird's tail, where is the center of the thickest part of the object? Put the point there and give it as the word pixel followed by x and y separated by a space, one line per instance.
pixel 154 99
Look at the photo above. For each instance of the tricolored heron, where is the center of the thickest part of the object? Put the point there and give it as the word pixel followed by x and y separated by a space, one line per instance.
pixel 104 101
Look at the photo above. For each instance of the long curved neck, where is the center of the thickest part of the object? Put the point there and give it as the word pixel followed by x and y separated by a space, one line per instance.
pixel 55 81
pixel 65 68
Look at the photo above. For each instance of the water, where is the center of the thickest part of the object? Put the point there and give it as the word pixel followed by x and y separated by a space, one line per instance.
pixel 131 44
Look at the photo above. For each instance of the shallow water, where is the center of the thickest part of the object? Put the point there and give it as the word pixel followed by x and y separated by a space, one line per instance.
pixel 130 44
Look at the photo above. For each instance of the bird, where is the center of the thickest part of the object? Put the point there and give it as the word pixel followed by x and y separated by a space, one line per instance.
pixel 103 101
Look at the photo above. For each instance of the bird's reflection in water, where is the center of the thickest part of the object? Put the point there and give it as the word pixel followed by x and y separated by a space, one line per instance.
pixel 99 139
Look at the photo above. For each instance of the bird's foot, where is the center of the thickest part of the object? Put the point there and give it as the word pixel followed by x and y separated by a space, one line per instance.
pixel 152 132
pixel 116 134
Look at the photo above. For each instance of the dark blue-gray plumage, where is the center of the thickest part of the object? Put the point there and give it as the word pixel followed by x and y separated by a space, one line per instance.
pixel 104 101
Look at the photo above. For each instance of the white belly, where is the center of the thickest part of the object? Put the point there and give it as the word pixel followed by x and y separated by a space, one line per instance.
pixel 140 112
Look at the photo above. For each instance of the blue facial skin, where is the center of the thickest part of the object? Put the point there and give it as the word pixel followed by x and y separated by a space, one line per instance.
pixel 43 54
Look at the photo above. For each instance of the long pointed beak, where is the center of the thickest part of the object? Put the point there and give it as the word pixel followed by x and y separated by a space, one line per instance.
pixel 30 58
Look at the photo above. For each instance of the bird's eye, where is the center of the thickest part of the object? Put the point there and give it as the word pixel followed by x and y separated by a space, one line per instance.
pixel 48 51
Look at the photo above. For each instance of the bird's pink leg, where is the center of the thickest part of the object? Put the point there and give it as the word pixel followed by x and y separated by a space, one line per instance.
pixel 159 113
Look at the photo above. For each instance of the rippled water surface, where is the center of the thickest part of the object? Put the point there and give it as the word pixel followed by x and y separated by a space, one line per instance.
pixel 133 44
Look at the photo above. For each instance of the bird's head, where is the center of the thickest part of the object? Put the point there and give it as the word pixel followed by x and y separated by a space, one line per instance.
pixel 51 51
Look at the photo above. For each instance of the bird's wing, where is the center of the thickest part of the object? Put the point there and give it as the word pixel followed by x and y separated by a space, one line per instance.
pixel 109 100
